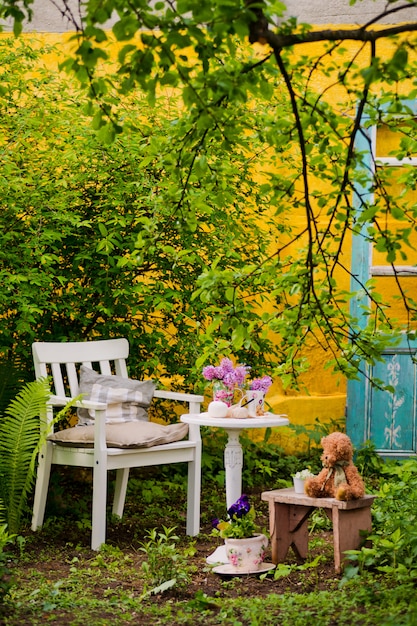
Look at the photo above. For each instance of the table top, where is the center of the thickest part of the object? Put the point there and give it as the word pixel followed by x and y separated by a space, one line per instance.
pixel 232 423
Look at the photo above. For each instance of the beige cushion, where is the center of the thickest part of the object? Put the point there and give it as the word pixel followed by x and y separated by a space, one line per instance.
pixel 127 399
pixel 125 435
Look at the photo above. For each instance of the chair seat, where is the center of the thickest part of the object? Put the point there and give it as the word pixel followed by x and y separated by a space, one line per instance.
pixel 135 434
pixel 176 445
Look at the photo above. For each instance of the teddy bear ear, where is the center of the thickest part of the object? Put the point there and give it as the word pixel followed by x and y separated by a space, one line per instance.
pixel 345 446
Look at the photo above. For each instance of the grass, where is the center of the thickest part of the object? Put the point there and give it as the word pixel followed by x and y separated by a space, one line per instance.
pixel 150 573
pixel 99 592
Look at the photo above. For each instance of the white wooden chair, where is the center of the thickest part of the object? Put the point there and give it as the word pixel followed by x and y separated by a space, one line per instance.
pixel 62 361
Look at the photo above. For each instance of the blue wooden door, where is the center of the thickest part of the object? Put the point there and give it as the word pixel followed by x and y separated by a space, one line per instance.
pixel 387 418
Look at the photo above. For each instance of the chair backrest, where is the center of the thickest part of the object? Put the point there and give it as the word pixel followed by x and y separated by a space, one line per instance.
pixel 62 361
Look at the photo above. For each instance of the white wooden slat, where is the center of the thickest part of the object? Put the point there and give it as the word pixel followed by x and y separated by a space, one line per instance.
pixel 72 379
pixel 58 381
pixel 121 367
pixel 105 368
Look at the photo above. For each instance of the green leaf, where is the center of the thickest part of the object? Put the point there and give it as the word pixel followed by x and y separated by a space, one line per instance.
pixel 125 28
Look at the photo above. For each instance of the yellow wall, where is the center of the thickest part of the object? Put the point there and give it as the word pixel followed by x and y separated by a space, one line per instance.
pixel 326 397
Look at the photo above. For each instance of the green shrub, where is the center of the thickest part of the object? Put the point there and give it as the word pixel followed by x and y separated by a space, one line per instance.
pixel 393 541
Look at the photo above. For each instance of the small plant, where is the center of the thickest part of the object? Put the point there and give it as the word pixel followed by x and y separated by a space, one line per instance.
pixel 303 474
pixel 240 521
pixel 6 582
pixel 165 565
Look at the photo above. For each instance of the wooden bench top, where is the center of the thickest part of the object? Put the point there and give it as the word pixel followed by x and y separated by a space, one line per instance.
pixel 288 496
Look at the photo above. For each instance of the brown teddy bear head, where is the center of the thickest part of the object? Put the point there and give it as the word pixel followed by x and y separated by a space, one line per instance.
pixel 336 447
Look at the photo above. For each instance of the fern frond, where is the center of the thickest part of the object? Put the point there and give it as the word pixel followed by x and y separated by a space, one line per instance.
pixel 19 444
pixel 21 439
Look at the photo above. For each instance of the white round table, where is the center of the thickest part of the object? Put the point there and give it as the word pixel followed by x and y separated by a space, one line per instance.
pixel 233 454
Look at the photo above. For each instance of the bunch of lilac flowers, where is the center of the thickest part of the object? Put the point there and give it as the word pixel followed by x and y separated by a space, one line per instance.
pixel 240 521
pixel 261 384
pixel 227 373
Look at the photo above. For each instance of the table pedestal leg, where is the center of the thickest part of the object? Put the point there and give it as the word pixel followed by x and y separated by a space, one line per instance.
pixel 233 463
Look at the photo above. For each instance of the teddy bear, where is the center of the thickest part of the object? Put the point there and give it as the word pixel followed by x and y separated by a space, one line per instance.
pixel 339 477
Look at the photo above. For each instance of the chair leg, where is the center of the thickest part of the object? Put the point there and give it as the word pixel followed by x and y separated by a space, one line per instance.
pixel 42 484
pixel 193 493
pixel 98 534
pixel 122 477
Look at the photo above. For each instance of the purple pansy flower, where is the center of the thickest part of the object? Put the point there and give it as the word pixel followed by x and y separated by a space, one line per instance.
pixel 240 508
pixel 240 520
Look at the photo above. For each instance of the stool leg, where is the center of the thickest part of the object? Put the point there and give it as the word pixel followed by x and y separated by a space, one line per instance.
pixel 347 527
pixel 288 527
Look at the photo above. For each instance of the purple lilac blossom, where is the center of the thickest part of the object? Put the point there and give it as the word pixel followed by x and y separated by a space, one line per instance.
pixel 226 367
pixel 229 380
pixel 261 384
pixel 226 373
pixel 209 372
pixel 240 508
pixel 240 374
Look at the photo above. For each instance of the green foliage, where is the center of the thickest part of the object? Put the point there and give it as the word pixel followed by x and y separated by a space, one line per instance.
pixel 166 564
pixel 283 570
pixel 315 432
pixel 369 462
pixel 6 581
pixel 13 374
pixel 393 541
pixel 208 208
pixel 265 464
pixel 118 235
pixel 20 441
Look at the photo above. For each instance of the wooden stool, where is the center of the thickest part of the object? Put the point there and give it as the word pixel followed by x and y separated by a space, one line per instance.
pixel 288 522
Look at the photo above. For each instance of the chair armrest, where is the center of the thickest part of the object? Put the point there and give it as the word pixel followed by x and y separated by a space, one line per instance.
pixel 100 446
pixel 84 404
pixel 194 401
pixel 177 395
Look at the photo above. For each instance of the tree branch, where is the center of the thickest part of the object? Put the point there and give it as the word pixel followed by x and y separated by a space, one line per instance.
pixel 259 30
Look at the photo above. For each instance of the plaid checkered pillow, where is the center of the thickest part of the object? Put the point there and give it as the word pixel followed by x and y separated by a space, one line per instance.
pixel 127 399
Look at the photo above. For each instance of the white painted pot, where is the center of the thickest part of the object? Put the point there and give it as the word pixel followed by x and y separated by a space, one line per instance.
pixel 299 485
pixel 246 555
